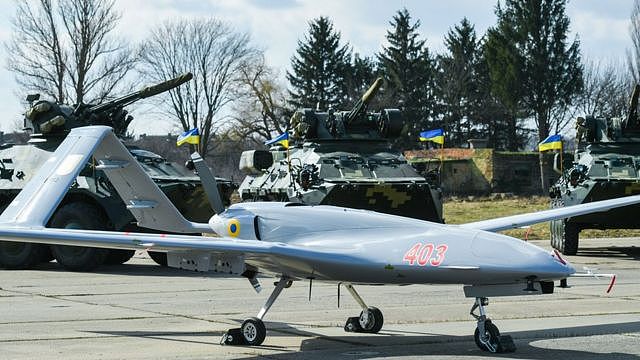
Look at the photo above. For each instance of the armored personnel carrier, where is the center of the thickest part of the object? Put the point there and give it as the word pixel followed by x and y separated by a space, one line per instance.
pixel 342 158
pixel 606 165
pixel 92 203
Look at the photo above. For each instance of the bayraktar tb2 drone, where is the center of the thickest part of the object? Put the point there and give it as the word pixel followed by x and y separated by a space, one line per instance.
pixel 292 242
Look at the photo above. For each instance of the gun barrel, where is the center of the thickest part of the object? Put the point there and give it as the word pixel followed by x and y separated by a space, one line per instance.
pixel 362 103
pixel 373 89
pixel 165 86
pixel 143 93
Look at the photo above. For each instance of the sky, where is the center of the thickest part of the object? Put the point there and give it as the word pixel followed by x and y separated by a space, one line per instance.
pixel 276 25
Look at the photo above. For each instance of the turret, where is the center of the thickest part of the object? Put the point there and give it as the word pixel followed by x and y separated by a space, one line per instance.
pixel 354 124
pixel 591 129
pixel 47 119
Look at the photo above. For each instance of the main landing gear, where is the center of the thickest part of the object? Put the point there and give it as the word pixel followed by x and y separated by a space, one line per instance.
pixel 252 331
pixel 487 335
pixel 370 319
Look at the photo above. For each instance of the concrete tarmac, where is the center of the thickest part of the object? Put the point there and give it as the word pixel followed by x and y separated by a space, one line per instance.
pixel 142 311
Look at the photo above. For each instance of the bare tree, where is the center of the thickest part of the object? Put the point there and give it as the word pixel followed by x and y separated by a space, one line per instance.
pixel 606 90
pixel 65 49
pixel 633 55
pixel 214 53
pixel 260 110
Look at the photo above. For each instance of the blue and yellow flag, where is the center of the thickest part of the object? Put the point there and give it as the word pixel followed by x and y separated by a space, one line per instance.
pixel 552 142
pixel 436 136
pixel 191 137
pixel 282 139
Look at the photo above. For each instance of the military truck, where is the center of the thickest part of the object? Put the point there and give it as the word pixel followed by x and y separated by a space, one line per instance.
pixel 342 158
pixel 92 202
pixel 606 165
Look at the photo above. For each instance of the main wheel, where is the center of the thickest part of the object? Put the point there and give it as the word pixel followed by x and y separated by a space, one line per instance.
pixel 492 335
pixel 371 320
pixel 253 331
pixel 79 215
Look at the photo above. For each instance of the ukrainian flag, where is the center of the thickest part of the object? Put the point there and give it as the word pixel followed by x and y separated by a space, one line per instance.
pixel 191 137
pixel 552 142
pixel 436 136
pixel 282 139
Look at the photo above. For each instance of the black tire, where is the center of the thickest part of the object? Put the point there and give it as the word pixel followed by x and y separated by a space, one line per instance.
pixel 79 215
pixel 253 331
pixel 556 225
pixel 374 321
pixel 492 331
pixel 159 257
pixel 118 256
pixel 19 256
pixel 568 242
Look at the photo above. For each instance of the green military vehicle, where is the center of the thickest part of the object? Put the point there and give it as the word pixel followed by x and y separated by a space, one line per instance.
pixel 606 165
pixel 92 202
pixel 342 158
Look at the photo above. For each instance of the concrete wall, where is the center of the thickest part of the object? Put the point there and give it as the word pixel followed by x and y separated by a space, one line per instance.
pixel 484 171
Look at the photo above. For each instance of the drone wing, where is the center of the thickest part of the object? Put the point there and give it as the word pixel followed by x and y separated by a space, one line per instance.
pixel 516 221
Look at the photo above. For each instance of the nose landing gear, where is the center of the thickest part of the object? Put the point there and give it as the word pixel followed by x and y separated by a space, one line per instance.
pixel 487 336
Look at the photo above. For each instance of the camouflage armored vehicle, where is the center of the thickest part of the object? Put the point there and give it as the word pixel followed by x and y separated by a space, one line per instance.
pixel 342 158
pixel 92 203
pixel 606 165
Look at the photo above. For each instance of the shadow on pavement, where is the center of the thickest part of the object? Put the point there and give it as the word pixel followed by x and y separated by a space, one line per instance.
pixel 623 253
pixel 400 343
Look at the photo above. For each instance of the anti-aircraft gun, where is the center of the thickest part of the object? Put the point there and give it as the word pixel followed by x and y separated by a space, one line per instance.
pixel 92 203
pixel 342 158
pixel 606 165
pixel 49 120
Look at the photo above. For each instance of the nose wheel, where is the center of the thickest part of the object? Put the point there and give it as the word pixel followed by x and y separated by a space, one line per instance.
pixel 370 319
pixel 487 336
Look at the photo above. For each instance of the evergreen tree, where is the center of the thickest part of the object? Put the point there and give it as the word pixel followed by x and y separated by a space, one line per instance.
pixel 319 68
pixel 504 72
pixel 457 83
pixel 359 75
pixel 531 48
pixel 409 68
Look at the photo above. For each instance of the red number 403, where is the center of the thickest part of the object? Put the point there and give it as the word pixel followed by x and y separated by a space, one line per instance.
pixel 425 254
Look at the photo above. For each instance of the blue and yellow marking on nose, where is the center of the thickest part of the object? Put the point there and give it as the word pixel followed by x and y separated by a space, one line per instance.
pixel 233 227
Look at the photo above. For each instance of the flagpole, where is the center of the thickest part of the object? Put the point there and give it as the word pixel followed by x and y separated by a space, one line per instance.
pixel 290 173
pixel 441 156
pixel 561 162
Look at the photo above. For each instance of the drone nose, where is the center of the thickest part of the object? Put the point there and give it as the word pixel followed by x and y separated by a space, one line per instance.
pixel 555 266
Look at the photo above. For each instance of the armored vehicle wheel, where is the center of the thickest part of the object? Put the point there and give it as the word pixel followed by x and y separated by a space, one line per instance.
pixel 14 255
pixel 18 256
pixel 567 238
pixel 78 215
pixel 159 257
pixel 554 227
pixel 118 256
